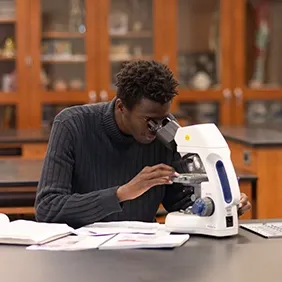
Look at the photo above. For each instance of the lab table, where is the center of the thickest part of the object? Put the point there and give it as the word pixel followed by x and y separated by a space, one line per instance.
pixel 259 152
pixel 24 143
pixel 245 257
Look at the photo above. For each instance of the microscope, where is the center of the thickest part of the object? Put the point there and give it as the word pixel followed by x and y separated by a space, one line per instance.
pixel 216 190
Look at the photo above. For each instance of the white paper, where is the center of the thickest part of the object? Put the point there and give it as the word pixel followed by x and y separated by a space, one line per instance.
pixel 72 243
pixel 139 241
pixel 4 219
pixel 115 227
pixel 27 231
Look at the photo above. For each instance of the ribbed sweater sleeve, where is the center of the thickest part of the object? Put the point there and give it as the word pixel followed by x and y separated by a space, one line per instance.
pixel 55 200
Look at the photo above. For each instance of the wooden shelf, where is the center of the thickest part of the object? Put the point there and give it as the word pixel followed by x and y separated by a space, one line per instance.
pixel 262 94
pixel 199 95
pixel 131 58
pixel 63 61
pixel 8 98
pixel 7 21
pixel 64 97
pixel 61 34
pixel 133 34
pixel 7 58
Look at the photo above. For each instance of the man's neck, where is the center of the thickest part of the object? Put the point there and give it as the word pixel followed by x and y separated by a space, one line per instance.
pixel 119 122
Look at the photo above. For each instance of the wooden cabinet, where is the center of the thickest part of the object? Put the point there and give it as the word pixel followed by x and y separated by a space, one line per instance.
pixel 257 62
pixel 225 54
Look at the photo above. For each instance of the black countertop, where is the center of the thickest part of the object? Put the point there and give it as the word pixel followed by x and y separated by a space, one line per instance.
pixel 256 137
pixel 246 257
pixel 247 135
pixel 21 172
pixel 24 136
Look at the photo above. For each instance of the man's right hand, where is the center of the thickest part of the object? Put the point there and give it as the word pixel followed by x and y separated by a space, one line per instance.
pixel 149 177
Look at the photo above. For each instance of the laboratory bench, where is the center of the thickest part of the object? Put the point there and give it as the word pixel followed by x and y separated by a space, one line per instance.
pixel 259 152
pixel 201 258
pixel 25 143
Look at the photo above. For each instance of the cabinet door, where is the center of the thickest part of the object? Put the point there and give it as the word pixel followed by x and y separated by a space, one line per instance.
pixel 198 49
pixel 13 20
pixel 63 56
pixel 257 62
pixel 129 30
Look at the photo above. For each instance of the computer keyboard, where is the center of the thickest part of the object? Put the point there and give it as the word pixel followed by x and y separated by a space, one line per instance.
pixel 267 230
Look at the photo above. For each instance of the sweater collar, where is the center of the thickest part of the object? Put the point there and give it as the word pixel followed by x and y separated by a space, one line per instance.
pixel 111 126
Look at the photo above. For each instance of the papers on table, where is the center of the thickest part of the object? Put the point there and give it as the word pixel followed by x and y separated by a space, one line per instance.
pixel 72 243
pixel 102 235
pixel 4 219
pixel 118 227
pixel 144 241
pixel 27 232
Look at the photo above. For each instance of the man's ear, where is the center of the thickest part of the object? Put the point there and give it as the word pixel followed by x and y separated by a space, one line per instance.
pixel 119 105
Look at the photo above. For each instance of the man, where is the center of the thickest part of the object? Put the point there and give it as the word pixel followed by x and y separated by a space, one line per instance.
pixel 104 164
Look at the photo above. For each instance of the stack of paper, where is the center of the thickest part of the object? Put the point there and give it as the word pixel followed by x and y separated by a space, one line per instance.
pixel 118 227
pixel 144 241
pixel 27 232
pixel 101 235
pixel 73 243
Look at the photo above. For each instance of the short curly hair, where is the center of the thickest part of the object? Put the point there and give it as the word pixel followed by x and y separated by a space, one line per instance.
pixel 145 79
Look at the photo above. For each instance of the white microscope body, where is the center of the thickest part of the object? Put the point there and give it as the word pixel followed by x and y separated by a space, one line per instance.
pixel 215 212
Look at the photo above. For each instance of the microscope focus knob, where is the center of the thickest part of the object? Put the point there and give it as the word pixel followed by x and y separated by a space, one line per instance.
pixel 203 207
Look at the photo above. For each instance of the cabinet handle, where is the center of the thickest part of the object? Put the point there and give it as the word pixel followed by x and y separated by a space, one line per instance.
pixel 165 59
pixel 227 93
pixel 104 96
pixel 92 96
pixel 238 93
pixel 28 61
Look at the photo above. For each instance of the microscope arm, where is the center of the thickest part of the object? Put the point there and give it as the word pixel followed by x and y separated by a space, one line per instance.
pixel 177 197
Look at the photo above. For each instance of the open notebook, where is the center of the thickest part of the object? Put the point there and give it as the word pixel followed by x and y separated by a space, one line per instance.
pixel 27 232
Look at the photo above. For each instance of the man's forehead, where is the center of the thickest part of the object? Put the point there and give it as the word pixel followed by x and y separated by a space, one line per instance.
pixel 152 109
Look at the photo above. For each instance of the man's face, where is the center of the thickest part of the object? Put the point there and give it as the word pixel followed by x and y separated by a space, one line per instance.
pixel 136 120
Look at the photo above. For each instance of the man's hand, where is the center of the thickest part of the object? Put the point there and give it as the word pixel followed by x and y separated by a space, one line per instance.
pixel 244 205
pixel 149 177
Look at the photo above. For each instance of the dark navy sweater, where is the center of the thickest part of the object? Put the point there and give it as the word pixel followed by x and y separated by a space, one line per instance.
pixel 87 159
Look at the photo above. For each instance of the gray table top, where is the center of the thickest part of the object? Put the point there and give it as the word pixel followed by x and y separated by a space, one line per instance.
pixel 246 257
pixel 24 136
pixel 21 172
pixel 256 137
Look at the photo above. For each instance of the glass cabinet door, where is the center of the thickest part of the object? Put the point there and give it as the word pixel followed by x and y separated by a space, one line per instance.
pixel 63 53
pixel 62 69
pixel 198 44
pixel 9 86
pixel 201 59
pixel 128 35
pixel 258 87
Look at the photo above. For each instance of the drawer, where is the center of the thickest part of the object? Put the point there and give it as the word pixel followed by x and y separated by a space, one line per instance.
pixel 243 157
pixel 34 151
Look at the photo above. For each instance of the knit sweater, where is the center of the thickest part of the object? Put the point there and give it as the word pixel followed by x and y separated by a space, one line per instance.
pixel 87 159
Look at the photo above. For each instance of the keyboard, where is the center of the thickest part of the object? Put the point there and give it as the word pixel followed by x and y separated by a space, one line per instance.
pixel 266 230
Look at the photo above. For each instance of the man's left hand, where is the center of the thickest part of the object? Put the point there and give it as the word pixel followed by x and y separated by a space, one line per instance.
pixel 244 205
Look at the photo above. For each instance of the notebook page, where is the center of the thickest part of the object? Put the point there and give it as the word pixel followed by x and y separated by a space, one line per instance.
pixel 31 230
pixel 4 219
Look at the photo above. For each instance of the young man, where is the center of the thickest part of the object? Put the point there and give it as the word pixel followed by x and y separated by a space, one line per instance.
pixel 104 164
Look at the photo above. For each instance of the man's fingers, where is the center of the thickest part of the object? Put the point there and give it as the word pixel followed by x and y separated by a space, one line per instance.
pixel 160 174
pixel 162 167
pixel 246 207
pixel 159 181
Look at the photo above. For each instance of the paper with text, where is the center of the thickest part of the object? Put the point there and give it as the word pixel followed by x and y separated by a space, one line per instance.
pixel 143 241
pixel 115 227
pixel 72 243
